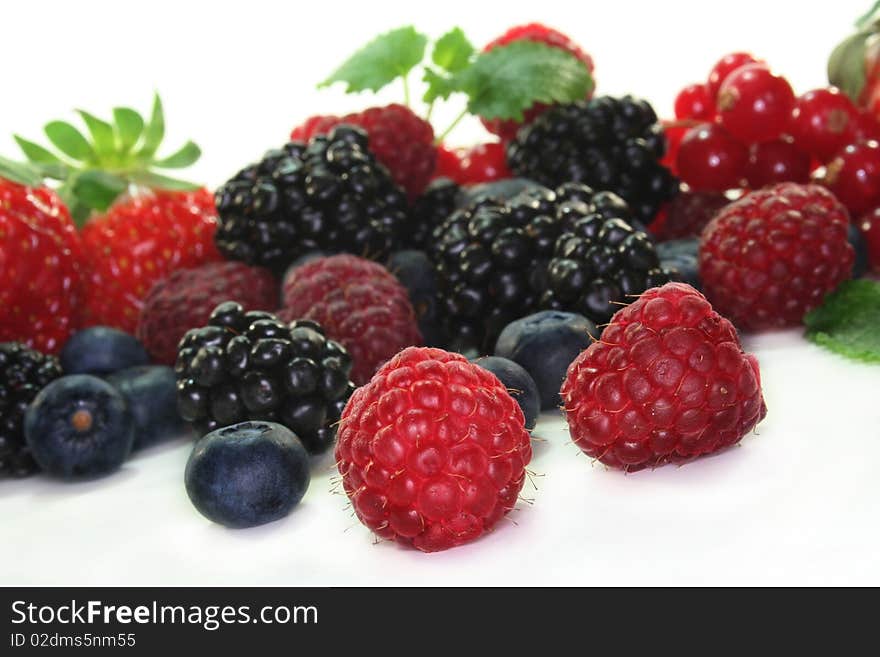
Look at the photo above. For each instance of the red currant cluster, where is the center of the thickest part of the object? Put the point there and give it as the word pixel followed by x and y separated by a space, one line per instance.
pixel 470 166
pixel 745 128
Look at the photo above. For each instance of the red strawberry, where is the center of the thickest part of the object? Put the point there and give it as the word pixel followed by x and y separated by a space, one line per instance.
pixel 186 299
pixel 667 381
pixel 40 276
pixel 358 303
pixel 432 451
pixel 401 141
pixel 507 129
pixel 141 240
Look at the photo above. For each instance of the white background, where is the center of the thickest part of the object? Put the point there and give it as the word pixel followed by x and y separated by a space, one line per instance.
pixel 794 504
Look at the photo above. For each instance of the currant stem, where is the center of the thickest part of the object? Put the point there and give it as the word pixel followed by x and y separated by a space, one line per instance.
pixel 406 98
pixel 457 120
pixel 429 112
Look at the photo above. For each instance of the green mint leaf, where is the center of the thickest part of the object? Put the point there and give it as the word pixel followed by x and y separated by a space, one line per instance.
pixel 848 323
pixel 69 141
pixel 103 140
pixel 157 181
pixel 129 126
pixel 453 51
pixel 507 80
pixel 380 62
pixel 154 131
pixel 439 86
pixel 36 153
pixel 20 173
pixel 98 189
pixel 185 156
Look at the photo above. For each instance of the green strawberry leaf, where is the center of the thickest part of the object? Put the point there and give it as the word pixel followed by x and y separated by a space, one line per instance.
pixel 507 80
pixel 154 131
pixel 98 189
pixel 453 51
pixel 36 153
pixel 157 181
pixel 129 127
pixel 848 323
pixel 380 62
pixel 20 173
pixel 103 140
pixel 439 86
pixel 846 65
pixel 69 141
pixel 184 157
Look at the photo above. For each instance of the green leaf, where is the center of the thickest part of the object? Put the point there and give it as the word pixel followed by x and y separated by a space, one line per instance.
pixel 36 153
pixel 869 16
pixel 129 126
pixel 184 157
pixel 98 189
pixel 54 170
pixel 453 51
pixel 507 80
pixel 380 62
pixel 157 181
pixel 848 323
pixel 154 131
pixel 439 86
pixel 20 173
pixel 102 133
pixel 69 140
pixel 846 65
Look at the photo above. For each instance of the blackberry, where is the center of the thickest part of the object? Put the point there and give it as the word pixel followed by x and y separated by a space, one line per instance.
pixel 431 209
pixel 328 195
pixel 611 144
pixel 23 373
pixel 251 366
pixel 568 249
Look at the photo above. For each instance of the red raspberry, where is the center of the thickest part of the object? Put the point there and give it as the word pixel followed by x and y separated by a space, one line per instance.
pixel 667 381
pixel 432 451
pixel 484 163
pixel 688 213
pixel 358 303
pixel 506 129
pixel 186 299
pixel 399 139
pixel 770 257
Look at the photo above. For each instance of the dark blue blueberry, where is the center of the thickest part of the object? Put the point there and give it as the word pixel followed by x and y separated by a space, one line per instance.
pixel 521 385
pixel 151 393
pixel 501 190
pixel 247 474
pixel 545 344
pixel 416 272
pixel 102 350
pixel 860 246
pixel 681 256
pixel 79 426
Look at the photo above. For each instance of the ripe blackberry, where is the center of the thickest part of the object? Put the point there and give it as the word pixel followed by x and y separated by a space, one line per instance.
pixel 430 210
pixel 23 373
pixel 612 144
pixel 251 366
pixel 569 249
pixel 328 195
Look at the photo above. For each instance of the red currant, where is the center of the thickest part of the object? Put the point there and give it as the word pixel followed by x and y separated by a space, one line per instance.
pixel 854 177
pixel 754 105
pixel 724 67
pixel 868 127
pixel 484 163
pixel 870 227
pixel 693 102
pixel 710 159
pixel 823 121
pixel 777 161
pixel 449 164
pixel 674 134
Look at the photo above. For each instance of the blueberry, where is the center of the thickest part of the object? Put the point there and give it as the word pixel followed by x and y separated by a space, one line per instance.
pixel 857 239
pixel 102 350
pixel 416 272
pixel 681 256
pixel 545 344
pixel 247 474
pixel 79 426
pixel 501 190
pixel 519 383
pixel 151 394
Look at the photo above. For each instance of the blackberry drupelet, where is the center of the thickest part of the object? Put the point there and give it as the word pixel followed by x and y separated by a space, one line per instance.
pixel 611 144
pixel 251 366
pixel 328 195
pixel 569 249
pixel 23 373
pixel 430 210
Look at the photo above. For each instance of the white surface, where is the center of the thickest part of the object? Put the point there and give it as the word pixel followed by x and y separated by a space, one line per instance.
pixel 795 504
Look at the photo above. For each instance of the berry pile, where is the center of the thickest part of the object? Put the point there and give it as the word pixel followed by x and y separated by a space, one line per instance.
pixel 329 195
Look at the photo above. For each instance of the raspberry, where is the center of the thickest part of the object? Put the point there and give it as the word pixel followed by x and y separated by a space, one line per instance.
pixel 186 299
pixel 688 213
pixel 400 139
pixel 359 303
pixel 507 129
pixel 432 451
pixel 668 381
pixel 770 257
